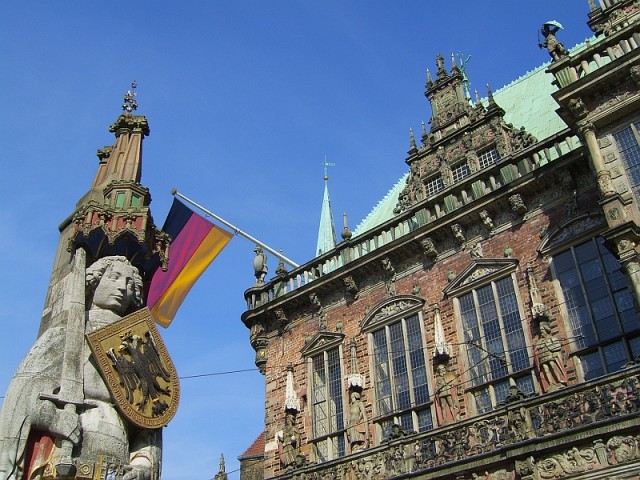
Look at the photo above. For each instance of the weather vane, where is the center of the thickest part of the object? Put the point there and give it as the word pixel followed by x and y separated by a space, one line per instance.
pixel 130 103
pixel 326 166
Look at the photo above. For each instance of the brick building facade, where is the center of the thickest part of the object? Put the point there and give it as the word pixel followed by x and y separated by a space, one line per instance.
pixel 483 320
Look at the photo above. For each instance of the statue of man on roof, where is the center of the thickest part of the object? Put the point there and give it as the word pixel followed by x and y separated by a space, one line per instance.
pixel 551 43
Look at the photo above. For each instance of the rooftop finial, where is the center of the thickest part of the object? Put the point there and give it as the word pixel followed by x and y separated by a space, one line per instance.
pixel 130 104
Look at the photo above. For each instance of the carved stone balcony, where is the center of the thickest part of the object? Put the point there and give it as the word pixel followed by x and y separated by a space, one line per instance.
pixel 584 428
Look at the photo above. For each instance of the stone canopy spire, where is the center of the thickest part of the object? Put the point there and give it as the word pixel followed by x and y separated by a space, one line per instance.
pixel 113 217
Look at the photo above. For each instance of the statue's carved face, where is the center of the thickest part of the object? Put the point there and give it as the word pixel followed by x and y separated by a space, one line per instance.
pixel 115 291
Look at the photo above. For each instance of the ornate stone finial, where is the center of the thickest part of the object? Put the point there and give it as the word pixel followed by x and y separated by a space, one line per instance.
pixel 260 265
pixel 490 95
pixel 424 131
pixel 281 270
pixel 346 233
pixel 413 148
pixel 291 401
pixel 478 102
pixel 130 104
pixel 453 61
pixel 442 348
pixel 592 5
pixel 429 79
pixel 354 379
pixel 442 72
pixel 221 475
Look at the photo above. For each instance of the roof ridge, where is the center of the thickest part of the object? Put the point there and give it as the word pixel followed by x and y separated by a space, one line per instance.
pixel 382 201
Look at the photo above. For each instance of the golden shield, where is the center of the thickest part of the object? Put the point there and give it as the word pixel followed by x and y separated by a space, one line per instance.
pixel 137 369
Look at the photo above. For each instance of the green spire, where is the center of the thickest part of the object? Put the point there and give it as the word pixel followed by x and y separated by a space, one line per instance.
pixel 327 229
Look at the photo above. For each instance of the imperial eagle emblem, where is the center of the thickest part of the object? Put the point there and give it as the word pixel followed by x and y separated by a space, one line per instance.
pixel 137 369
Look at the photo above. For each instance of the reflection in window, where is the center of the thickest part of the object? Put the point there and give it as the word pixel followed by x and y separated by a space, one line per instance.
pixel 400 372
pixel 495 343
pixel 599 306
pixel 327 406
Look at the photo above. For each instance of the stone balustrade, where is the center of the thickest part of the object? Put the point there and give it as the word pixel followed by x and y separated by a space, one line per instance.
pixel 507 170
pixel 595 55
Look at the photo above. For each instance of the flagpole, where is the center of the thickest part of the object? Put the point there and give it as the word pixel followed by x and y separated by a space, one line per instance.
pixel 235 229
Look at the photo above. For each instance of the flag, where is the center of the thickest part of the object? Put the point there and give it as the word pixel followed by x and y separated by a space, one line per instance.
pixel 196 242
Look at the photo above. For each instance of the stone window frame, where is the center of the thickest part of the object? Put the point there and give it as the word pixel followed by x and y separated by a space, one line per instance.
pixel 632 169
pixel 488 157
pixel 479 274
pixel 460 171
pixel 434 185
pixel 321 344
pixel 388 313
pixel 599 347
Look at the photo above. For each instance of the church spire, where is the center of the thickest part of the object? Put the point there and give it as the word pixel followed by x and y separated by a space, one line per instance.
pixel 327 229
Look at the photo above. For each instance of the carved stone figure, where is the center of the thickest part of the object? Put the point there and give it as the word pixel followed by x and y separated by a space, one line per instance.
pixel 548 359
pixel 57 405
pixel 358 428
pixel 260 265
pixel 551 43
pixel 289 441
pixel 447 408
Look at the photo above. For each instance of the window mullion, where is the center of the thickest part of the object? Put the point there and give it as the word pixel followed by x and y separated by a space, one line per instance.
pixel 503 333
pixel 405 342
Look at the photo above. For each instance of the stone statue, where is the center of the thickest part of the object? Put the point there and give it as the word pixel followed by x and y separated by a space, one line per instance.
pixel 55 424
pixel 548 359
pixel 358 427
pixel 289 440
pixel 447 408
pixel 551 43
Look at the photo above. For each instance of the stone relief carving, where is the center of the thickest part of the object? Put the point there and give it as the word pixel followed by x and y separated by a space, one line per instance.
pixel 516 202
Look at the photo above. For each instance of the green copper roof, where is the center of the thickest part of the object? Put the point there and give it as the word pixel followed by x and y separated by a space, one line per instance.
pixel 327 229
pixel 527 102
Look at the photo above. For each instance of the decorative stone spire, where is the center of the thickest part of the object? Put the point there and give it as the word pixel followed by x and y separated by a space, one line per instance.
pixel 442 348
pixel 413 149
pixel 327 229
pixel 221 475
pixel 291 401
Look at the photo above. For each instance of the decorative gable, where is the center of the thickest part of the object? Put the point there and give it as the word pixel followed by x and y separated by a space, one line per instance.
pixel 322 341
pixel 390 310
pixel 479 272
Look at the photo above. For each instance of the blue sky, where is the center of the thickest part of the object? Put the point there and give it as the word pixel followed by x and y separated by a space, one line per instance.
pixel 245 100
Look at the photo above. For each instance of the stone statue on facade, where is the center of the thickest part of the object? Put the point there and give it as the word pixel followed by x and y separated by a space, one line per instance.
pixel 447 408
pixel 358 427
pixel 551 43
pixel 289 441
pixel 56 425
pixel 548 359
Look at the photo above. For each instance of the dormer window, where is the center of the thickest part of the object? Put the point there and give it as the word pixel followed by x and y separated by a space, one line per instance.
pixel 488 158
pixel 460 172
pixel 434 185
